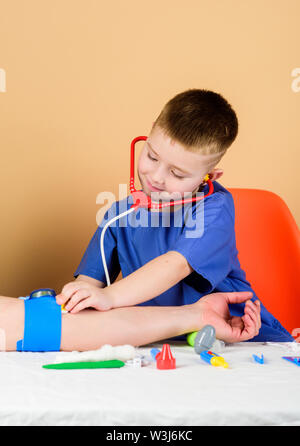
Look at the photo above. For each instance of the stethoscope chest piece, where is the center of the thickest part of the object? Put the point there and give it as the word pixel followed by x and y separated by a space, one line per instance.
pixel 42 292
pixel 140 199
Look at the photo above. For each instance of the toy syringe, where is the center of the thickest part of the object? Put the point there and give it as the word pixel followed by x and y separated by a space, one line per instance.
pixel 213 359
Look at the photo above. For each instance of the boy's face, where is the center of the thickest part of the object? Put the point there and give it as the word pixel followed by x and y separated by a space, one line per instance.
pixel 165 167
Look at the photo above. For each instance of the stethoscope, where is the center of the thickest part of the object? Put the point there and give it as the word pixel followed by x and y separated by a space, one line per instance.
pixel 140 199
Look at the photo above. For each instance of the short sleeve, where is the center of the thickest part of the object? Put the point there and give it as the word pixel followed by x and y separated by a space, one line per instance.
pixel 209 247
pixel 91 263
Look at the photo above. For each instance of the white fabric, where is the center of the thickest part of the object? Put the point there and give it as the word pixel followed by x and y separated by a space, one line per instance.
pixel 195 393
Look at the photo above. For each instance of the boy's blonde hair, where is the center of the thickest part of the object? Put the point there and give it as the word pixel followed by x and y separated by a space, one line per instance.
pixel 201 120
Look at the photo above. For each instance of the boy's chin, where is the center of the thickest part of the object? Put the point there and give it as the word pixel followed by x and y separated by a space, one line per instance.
pixel 157 196
pixel 164 196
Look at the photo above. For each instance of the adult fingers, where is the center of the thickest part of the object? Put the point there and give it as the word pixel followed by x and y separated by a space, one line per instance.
pixel 249 330
pixel 254 313
pixel 258 306
pixel 237 322
pixel 238 297
pixel 253 310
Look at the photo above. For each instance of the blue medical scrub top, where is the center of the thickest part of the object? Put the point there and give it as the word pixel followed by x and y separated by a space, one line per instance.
pixel 203 232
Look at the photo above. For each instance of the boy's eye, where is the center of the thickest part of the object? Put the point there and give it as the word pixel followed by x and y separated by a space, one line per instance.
pixel 152 159
pixel 177 176
pixel 173 173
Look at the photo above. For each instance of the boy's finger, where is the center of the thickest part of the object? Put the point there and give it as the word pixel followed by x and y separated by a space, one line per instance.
pixel 70 288
pixel 85 303
pixel 67 292
pixel 61 299
pixel 76 298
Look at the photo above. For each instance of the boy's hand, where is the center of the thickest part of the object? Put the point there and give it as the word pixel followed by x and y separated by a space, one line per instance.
pixel 229 328
pixel 77 295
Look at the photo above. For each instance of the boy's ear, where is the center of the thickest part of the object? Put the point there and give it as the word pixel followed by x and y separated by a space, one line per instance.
pixel 215 174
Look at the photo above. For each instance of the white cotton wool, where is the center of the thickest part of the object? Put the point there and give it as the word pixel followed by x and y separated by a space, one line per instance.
pixel 105 353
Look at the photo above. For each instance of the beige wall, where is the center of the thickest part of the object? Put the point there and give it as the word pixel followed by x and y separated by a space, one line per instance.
pixel 84 77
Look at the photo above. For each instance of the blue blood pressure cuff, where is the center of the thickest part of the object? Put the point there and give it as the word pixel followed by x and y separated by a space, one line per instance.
pixel 42 323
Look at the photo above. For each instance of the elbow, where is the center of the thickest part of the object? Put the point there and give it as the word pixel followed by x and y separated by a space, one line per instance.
pixel 181 264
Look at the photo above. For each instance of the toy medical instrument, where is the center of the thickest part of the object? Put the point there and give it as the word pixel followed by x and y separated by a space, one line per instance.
pixel 135 363
pixel 259 359
pixel 140 199
pixel 114 363
pixel 190 338
pixel 165 359
pixel 42 323
pixel 154 353
pixel 204 339
pixel 294 359
pixel 213 359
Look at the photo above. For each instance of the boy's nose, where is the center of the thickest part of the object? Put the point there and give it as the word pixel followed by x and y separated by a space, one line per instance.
pixel 157 181
pixel 157 178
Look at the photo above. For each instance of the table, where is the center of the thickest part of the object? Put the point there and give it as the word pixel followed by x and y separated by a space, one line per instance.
pixel 193 394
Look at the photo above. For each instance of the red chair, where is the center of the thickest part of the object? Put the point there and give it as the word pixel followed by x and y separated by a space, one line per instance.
pixel 268 242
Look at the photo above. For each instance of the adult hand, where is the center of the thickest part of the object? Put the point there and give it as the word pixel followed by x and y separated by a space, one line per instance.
pixel 229 328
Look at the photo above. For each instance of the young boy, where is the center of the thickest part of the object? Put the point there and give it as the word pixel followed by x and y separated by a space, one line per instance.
pixel 163 261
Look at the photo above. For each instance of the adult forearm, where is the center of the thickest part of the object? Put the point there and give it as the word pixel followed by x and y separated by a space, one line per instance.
pixel 149 281
pixel 90 329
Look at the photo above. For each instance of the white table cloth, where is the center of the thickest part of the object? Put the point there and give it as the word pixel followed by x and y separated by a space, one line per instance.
pixel 193 394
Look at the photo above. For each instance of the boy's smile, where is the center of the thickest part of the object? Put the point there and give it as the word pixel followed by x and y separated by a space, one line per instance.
pixel 167 170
